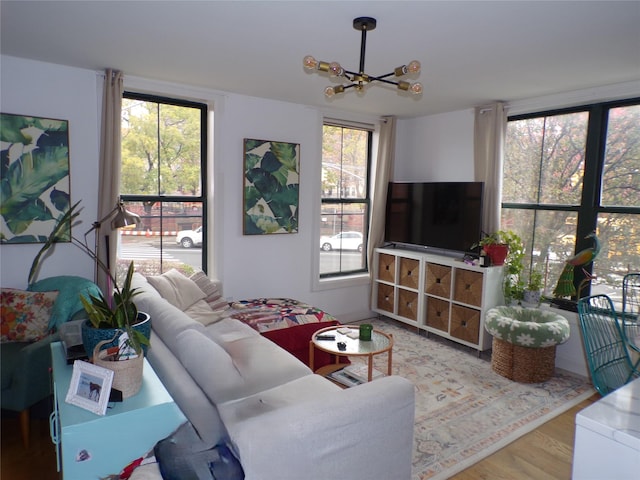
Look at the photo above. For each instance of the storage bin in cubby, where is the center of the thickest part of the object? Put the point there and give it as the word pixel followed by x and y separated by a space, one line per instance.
pixel 465 323
pixel 386 267
pixel 385 297
pixel 437 314
pixel 409 272
pixel 468 287
pixel 438 280
pixel 408 304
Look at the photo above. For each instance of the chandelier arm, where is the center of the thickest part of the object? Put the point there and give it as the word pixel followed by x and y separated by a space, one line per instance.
pixel 383 79
pixel 363 47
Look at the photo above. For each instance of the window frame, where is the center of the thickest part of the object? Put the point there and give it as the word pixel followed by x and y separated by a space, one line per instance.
pixel 589 208
pixel 163 198
pixel 369 129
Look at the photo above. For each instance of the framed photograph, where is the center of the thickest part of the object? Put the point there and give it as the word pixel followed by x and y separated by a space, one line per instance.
pixel 271 187
pixel 90 387
pixel 35 177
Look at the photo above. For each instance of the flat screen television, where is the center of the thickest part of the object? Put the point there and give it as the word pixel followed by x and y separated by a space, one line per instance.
pixel 438 215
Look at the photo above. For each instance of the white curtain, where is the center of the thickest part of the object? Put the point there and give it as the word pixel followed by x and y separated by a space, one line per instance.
pixel 383 173
pixel 489 134
pixel 109 171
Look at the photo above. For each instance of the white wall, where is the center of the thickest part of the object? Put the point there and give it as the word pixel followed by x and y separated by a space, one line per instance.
pixel 435 148
pixel 52 91
pixel 249 266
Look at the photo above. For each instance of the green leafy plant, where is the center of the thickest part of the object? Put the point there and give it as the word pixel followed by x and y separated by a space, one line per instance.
pixel 513 286
pixel 121 313
pixel 535 280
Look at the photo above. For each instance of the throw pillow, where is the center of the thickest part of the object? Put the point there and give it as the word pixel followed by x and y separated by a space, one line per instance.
pixel 24 315
pixel 178 290
pixel 201 312
pixel 211 290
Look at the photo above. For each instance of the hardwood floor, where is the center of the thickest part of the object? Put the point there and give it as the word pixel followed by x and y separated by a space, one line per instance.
pixel 545 453
pixel 18 463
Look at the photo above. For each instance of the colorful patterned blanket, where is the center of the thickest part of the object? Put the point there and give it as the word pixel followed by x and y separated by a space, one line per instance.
pixel 267 314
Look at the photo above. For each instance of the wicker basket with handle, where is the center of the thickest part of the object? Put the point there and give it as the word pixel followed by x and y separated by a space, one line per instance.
pixel 127 374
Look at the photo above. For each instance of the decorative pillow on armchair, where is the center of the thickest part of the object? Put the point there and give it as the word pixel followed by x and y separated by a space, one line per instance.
pixel 25 315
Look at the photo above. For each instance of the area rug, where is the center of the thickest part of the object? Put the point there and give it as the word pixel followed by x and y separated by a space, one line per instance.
pixel 464 410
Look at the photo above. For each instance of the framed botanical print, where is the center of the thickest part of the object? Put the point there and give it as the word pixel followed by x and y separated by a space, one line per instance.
pixel 34 172
pixel 271 187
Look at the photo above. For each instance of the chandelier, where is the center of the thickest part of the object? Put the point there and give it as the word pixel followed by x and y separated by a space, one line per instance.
pixel 359 79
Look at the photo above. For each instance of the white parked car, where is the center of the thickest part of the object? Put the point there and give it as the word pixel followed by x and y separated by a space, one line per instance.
pixel 189 238
pixel 342 241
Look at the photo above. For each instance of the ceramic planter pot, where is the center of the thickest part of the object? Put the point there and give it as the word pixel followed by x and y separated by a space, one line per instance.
pixel 92 336
pixel 497 252
pixel 532 296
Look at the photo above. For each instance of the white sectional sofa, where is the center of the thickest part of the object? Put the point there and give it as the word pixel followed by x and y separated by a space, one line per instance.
pixel 282 421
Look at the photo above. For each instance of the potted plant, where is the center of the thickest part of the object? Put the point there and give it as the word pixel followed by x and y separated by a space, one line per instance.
pixel 533 290
pixel 494 247
pixel 108 319
pixel 505 247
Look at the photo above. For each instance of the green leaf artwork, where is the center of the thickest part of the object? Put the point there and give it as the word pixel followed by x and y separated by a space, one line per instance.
pixel 34 177
pixel 271 187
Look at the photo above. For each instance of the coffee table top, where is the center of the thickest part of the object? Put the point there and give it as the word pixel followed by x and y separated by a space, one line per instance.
pixel 380 341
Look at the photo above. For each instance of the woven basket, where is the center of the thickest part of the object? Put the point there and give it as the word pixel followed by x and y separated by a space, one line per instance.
pixel 522 364
pixel 127 374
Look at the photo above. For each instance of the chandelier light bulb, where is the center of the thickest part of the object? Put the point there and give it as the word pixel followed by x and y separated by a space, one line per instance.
pixel 329 92
pixel 310 63
pixel 414 66
pixel 335 70
pixel 416 88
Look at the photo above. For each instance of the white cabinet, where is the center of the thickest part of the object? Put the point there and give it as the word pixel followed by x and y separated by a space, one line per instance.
pixel 607 441
pixel 439 294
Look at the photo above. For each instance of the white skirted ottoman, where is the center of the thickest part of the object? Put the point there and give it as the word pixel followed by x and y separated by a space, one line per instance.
pixel 524 342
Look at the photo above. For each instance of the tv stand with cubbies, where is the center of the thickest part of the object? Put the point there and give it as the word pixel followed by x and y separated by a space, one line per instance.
pixel 436 293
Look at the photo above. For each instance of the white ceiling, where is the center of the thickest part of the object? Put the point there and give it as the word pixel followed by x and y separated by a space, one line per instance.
pixel 472 52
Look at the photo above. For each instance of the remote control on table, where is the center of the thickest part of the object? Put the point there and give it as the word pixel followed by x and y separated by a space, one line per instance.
pixel 325 337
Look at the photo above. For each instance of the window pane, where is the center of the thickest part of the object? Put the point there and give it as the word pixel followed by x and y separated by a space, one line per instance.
pixel 619 235
pixel 549 239
pixel 544 159
pixel 523 145
pixel 161 149
pixel 621 176
pixel 153 245
pixel 342 244
pixel 344 162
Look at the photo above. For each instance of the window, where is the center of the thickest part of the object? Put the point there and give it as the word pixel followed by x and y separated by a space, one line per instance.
pixel 568 173
pixel 346 157
pixel 163 179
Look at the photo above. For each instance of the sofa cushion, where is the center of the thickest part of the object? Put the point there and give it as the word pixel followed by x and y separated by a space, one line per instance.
pixel 25 315
pixel 166 320
pixel 295 392
pixel 229 330
pixel 177 289
pixel 202 414
pixel 242 368
pixel 201 312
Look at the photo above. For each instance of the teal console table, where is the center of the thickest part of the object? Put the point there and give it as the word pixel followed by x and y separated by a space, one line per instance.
pixel 90 446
